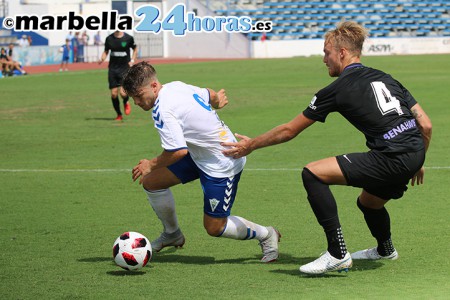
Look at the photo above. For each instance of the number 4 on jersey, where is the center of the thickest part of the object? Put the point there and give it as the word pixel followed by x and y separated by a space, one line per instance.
pixel 385 101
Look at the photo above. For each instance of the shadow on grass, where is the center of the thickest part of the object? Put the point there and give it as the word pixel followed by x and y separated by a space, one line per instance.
pixel 125 273
pixel 120 272
pixel 169 256
pixel 296 272
pixel 94 259
pixel 365 265
pixel 190 260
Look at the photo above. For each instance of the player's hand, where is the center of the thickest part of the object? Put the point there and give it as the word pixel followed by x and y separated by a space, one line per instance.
pixel 143 168
pixel 418 177
pixel 100 61
pixel 238 149
pixel 222 99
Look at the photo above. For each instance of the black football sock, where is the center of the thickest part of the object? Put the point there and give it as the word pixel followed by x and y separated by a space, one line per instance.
pixel 125 100
pixel 116 105
pixel 324 207
pixel 336 243
pixel 385 248
pixel 379 225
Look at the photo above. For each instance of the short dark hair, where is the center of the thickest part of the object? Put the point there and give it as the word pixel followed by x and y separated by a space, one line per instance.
pixel 137 76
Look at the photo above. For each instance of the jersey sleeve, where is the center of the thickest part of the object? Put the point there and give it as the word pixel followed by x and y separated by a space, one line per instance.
pixel 107 46
pixel 321 105
pixel 170 131
pixel 204 94
pixel 409 99
pixel 132 44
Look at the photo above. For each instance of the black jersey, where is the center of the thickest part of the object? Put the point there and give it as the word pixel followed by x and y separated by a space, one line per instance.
pixel 120 51
pixel 375 103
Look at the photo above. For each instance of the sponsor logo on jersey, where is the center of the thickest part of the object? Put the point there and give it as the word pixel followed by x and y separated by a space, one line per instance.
pixel 223 135
pixel 205 104
pixel 399 129
pixel 118 53
pixel 313 101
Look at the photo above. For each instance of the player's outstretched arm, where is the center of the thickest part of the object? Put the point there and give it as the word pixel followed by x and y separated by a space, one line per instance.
pixel 277 135
pixel 425 127
pixel 219 99
pixel 238 149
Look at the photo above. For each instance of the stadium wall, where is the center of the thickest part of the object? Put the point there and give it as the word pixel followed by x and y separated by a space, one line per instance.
pixel 376 46
pixel 189 48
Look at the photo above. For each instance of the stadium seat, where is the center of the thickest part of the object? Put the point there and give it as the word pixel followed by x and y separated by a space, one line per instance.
pixel 384 18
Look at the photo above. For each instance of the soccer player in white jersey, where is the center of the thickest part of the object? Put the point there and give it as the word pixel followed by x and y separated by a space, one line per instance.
pixel 191 135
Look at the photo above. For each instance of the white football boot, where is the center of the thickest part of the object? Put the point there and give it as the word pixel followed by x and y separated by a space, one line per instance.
pixel 372 254
pixel 269 245
pixel 175 239
pixel 327 263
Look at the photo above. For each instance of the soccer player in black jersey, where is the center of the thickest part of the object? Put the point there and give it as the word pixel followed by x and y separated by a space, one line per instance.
pixel 397 132
pixel 119 44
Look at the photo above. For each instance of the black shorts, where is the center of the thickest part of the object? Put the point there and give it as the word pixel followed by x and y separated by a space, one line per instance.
pixel 384 175
pixel 115 77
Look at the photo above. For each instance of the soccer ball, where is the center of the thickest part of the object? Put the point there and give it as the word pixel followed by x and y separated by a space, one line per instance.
pixel 132 251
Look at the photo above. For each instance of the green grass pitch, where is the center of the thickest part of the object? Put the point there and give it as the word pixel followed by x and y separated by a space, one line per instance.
pixel 66 191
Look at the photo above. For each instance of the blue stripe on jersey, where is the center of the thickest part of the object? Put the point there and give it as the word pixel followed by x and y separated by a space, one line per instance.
pixel 157 117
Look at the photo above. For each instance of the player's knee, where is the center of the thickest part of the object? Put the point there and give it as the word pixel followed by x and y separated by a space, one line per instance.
pixel 147 185
pixel 308 176
pixel 214 228
pixel 372 202
pixel 310 167
pixel 213 232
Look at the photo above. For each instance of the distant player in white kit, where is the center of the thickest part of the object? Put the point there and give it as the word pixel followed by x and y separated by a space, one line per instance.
pixel 191 133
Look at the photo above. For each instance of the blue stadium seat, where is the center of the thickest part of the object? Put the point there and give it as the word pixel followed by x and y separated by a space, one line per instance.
pixel 384 18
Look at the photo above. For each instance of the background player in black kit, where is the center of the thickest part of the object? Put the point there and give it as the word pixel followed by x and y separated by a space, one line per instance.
pixel 119 44
pixel 397 132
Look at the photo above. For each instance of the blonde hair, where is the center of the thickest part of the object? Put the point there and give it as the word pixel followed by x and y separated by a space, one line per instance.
pixel 349 35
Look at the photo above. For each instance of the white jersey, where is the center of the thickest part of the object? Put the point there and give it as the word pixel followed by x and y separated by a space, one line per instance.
pixel 185 120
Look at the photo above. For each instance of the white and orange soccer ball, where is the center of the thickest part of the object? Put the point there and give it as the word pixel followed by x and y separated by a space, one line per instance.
pixel 132 251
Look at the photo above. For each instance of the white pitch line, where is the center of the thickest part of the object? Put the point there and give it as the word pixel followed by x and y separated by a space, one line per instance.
pixel 287 169
pixel 129 170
